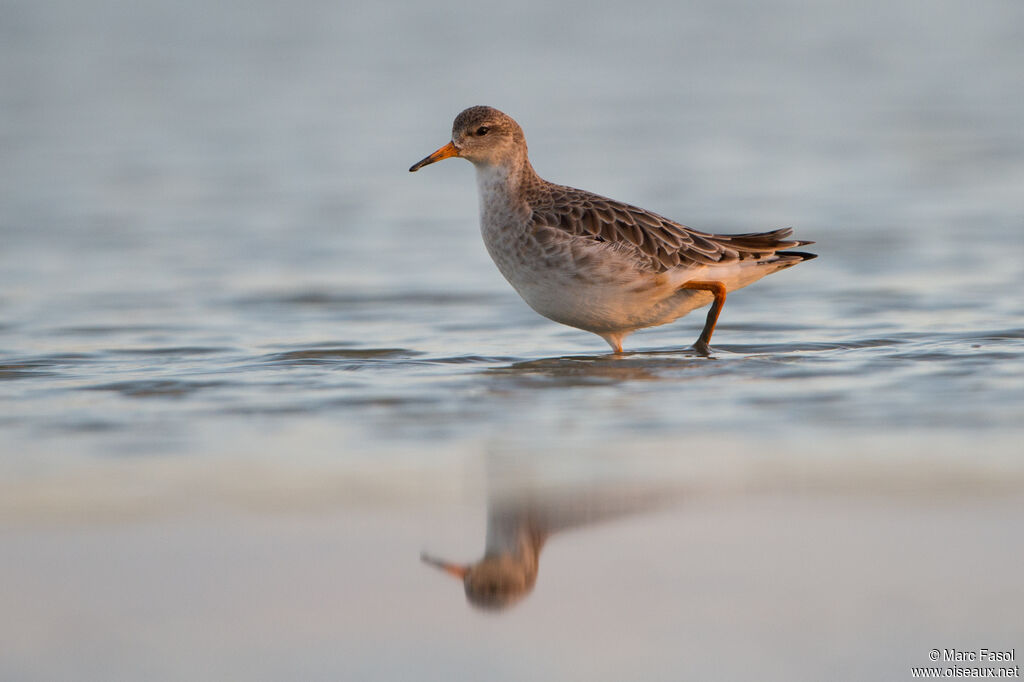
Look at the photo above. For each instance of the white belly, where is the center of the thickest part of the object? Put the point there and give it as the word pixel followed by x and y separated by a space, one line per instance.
pixel 601 292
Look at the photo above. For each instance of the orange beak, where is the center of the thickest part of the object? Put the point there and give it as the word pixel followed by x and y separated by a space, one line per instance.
pixel 444 152
pixel 454 569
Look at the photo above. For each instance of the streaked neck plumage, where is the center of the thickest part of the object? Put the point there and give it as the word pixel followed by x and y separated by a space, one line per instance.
pixel 502 187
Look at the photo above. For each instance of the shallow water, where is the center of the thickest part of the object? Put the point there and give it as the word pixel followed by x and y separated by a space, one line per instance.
pixel 224 302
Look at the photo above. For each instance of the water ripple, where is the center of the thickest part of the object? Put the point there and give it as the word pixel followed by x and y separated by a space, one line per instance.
pixel 155 388
pixel 172 350
pixel 335 356
pixel 41 366
pixel 330 298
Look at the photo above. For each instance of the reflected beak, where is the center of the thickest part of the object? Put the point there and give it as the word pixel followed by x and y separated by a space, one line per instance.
pixel 444 152
pixel 454 569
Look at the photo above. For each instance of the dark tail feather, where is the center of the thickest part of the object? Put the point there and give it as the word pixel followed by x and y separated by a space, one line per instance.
pixel 787 259
pixel 803 255
pixel 776 240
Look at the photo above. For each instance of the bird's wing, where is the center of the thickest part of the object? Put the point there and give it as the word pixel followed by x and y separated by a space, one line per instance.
pixel 663 243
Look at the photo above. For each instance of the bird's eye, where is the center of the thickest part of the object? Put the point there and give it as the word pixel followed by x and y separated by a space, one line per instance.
pixel 482 130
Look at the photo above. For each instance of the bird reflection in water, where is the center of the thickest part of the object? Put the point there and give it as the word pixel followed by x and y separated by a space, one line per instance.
pixel 520 522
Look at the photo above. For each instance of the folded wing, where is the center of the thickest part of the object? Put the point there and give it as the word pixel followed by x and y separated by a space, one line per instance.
pixel 661 242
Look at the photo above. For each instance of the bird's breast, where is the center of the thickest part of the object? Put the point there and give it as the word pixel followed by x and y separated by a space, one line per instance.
pixel 578 282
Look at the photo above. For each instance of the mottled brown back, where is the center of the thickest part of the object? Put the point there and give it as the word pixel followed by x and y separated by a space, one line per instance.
pixel 661 242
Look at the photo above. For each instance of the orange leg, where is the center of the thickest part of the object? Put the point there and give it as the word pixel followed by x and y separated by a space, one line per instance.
pixel 615 341
pixel 718 289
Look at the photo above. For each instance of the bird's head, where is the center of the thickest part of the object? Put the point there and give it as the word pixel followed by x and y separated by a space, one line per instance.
pixel 483 136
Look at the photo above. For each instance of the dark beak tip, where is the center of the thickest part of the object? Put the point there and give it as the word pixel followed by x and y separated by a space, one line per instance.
pixel 445 152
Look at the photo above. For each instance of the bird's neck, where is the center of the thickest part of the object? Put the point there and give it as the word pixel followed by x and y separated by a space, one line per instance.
pixel 515 532
pixel 515 544
pixel 502 186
